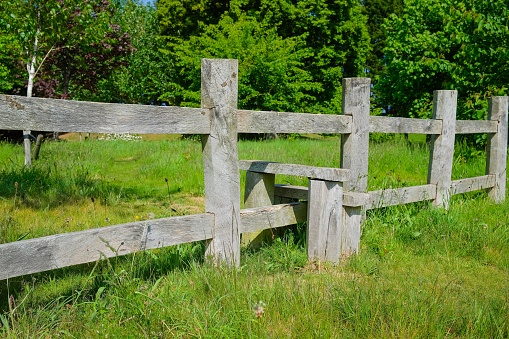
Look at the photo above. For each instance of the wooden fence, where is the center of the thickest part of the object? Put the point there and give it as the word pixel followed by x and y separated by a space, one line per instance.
pixel 333 203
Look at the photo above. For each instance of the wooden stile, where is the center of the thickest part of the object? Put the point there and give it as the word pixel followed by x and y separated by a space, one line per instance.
pixel 496 162
pixel 325 220
pixel 442 146
pixel 220 159
pixel 259 192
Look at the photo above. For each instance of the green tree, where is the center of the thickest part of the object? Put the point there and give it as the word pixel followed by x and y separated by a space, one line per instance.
pixel 451 44
pixel 376 11
pixel 332 36
pixel 10 77
pixel 270 73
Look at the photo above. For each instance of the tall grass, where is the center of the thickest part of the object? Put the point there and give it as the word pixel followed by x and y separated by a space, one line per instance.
pixel 421 272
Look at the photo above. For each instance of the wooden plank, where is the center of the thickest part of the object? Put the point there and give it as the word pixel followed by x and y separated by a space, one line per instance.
pixel 354 156
pixel 404 125
pixel 475 126
pixel 301 193
pixel 496 162
pixel 473 184
pixel 21 113
pixel 62 250
pixel 262 218
pixel 325 220
pixel 259 192
pixel 400 196
pixel 355 146
pixel 442 146
pixel 284 122
pixel 324 173
pixel 220 158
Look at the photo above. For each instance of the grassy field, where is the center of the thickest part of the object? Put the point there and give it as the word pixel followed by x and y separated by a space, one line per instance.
pixel 421 272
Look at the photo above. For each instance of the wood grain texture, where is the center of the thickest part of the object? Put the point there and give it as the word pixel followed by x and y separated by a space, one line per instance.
pixel 220 158
pixel 354 156
pixel 404 125
pixel 496 162
pixel 21 113
pixel 352 199
pixel 400 196
pixel 475 126
pixel 284 122
pixel 473 184
pixel 62 250
pixel 325 220
pixel 442 146
pixel 355 146
pixel 259 192
pixel 324 173
pixel 263 218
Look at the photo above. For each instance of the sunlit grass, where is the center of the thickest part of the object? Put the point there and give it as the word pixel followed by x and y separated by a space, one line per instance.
pixel 421 271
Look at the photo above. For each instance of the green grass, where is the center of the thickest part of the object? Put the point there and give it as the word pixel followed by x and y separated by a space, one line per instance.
pixel 421 272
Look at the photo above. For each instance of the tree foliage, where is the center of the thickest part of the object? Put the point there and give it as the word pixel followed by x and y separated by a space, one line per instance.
pixel 308 45
pixel 446 44
pixel 65 41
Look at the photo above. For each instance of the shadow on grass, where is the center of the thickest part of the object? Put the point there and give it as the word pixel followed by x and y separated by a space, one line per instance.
pixel 80 283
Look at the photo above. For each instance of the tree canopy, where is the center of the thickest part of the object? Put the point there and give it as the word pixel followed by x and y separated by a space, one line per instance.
pixel 446 44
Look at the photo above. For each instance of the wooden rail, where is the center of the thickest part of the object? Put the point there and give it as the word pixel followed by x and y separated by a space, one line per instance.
pixel 333 204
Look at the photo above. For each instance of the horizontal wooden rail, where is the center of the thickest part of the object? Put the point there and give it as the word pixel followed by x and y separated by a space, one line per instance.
pixel 351 199
pixel 74 248
pixel 62 250
pixel 404 125
pixel 283 122
pixel 476 126
pixel 261 218
pixel 473 184
pixel 21 113
pixel 323 173
pixel 400 196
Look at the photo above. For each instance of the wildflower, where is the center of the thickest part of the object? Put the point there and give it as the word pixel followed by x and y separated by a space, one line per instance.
pixel 259 308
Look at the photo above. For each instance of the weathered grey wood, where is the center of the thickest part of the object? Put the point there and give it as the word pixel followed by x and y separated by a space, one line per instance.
pixel 324 173
pixel 473 184
pixel 496 162
pixel 325 220
pixel 442 146
pixel 284 122
pixel 263 218
pixel 37 147
pixel 355 146
pixel 475 126
pixel 400 196
pixel 21 113
pixel 26 144
pixel 62 250
pixel 404 125
pixel 351 232
pixel 352 199
pixel 220 158
pixel 354 156
pixel 259 192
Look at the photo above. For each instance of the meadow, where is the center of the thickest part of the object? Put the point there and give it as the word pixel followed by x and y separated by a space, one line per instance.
pixel 421 272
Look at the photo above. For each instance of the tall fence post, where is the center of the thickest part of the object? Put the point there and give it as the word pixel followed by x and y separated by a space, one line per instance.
pixel 496 162
pixel 219 89
pixel 354 156
pixel 442 146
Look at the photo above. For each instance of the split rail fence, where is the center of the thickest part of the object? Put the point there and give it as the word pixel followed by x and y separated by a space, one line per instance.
pixel 333 204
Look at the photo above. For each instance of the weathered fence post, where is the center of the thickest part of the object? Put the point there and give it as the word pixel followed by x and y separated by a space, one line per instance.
pixel 219 89
pixel 496 162
pixel 259 192
pixel 442 146
pixel 325 220
pixel 354 156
